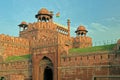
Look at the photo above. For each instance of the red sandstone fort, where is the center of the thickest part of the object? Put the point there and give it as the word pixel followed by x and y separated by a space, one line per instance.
pixel 42 52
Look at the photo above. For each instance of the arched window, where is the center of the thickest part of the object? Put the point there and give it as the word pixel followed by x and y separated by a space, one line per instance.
pixel 43 19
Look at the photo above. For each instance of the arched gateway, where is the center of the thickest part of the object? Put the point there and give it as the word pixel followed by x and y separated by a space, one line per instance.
pixel 43 69
pixel 48 41
pixel 48 73
pixel 46 66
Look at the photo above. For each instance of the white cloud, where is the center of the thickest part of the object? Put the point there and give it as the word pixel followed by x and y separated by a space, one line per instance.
pixel 103 33
pixel 113 19
pixel 98 27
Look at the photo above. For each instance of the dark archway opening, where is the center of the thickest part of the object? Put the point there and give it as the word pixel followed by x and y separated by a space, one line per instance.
pixel 48 74
pixel 2 78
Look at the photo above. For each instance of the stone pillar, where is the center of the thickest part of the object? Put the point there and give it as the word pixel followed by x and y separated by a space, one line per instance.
pixel 35 72
pixel 68 23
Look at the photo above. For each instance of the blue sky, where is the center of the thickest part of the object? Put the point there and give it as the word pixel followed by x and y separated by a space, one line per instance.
pixel 100 17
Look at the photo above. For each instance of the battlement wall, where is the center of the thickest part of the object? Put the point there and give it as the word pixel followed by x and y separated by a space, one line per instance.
pixel 20 69
pixel 13 46
pixel 86 67
pixel 103 58
pixel 14 65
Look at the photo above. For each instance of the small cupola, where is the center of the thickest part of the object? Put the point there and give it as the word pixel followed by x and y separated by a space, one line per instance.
pixel 23 26
pixel 44 15
pixel 81 31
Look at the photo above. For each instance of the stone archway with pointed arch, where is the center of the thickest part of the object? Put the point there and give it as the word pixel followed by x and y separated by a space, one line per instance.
pixel 45 55
pixel 48 73
pixel 46 69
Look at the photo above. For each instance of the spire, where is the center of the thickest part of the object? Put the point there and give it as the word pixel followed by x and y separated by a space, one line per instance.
pixel 68 24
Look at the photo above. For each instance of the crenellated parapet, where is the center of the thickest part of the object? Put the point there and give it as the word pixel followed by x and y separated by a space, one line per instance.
pixel 99 65
pixel 16 69
pixel 91 59
pixel 13 46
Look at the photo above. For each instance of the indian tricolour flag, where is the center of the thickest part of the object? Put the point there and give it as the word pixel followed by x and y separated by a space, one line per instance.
pixel 58 14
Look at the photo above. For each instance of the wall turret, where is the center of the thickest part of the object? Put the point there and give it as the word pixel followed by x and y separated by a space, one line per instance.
pixel 23 26
pixel 81 31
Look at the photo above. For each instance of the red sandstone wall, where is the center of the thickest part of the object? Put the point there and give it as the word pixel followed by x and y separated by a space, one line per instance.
pixel 33 29
pixel 85 60
pixel 17 70
pixel 82 73
pixel 45 34
pixel 86 67
pixel 82 42
pixel 115 62
pixel 13 46
pixel 16 76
